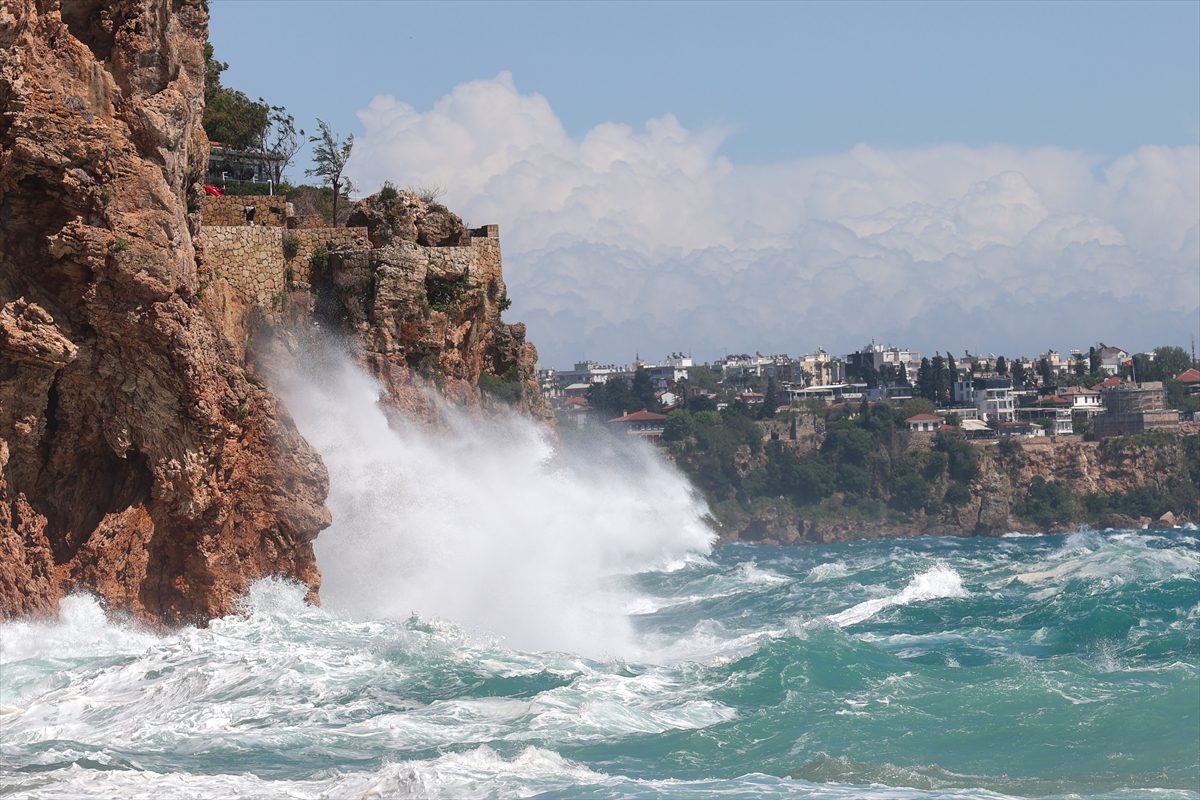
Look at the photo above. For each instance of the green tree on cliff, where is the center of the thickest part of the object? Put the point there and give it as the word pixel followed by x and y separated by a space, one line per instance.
pixel 330 155
pixel 1169 361
pixel 230 117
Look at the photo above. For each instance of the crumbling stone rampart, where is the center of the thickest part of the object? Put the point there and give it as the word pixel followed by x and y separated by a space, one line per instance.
pixel 253 260
pixel 229 210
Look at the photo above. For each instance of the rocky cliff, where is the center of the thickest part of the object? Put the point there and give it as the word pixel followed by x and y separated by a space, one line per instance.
pixel 140 457
pixel 423 305
pixel 1155 465
pixel 136 460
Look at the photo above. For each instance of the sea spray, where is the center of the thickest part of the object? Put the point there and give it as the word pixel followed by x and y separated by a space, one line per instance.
pixel 484 521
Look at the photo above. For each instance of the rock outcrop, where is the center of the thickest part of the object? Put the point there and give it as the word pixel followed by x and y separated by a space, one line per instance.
pixel 1106 468
pixel 429 314
pixel 137 460
pixel 401 215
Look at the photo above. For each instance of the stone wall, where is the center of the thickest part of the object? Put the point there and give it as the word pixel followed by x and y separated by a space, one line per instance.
pixel 249 259
pixel 1127 399
pixel 309 239
pixel 252 260
pixel 227 210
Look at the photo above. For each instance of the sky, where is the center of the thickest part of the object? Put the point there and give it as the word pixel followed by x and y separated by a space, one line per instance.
pixel 713 178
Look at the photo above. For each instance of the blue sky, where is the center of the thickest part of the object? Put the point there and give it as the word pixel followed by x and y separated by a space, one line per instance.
pixel 787 79
pixel 1000 176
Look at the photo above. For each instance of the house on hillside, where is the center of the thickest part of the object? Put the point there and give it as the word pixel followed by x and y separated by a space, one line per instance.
pixel 1056 418
pixel 1026 429
pixel 923 423
pixel 667 399
pixel 646 424
pixel 1111 358
pixel 1191 379
pixel 992 396
pixel 1082 400
pixel 576 409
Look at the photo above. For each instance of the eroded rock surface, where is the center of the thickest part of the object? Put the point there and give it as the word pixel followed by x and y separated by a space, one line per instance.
pixel 429 314
pixel 136 458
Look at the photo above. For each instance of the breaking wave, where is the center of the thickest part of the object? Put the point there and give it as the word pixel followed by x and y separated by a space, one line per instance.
pixel 491 525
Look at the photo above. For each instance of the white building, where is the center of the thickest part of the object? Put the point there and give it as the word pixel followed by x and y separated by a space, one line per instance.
pixel 821 368
pixel 591 372
pixel 1083 400
pixel 1111 359
pixel 993 397
pixel 740 367
pixel 924 423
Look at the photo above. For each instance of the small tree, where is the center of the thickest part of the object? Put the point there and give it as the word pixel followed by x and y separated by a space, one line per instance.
pixel 230 117
pixel 330 155
pixel 1018 375
pixel 1045 371
pixel 280 138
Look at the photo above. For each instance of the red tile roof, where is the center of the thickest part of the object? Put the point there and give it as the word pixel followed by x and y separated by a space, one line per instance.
pixel 640 416
pixel 1189 376
pixel 924 418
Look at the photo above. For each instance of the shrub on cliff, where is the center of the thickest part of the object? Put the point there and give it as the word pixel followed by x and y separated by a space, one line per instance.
pixel 678 426
pixel 957 495
pixel 1046 503
pixel 506 387
pixel 291 246
pixel 318 262
pixel 910 492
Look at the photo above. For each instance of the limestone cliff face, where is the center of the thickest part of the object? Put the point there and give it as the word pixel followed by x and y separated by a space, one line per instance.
pixel 136 459
pixel 424 306
pixel 1110 467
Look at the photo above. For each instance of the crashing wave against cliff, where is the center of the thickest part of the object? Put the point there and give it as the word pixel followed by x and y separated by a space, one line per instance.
pixel 140 458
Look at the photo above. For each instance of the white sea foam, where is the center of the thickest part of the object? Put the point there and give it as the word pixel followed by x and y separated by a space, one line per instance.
pixel 82 630
pixel 937 582
pixel 827 572
pixel 479 772
pixel 1112 559
pixel 485 522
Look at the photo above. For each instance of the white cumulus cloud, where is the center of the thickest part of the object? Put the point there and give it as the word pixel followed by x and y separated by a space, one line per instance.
pixel 649 239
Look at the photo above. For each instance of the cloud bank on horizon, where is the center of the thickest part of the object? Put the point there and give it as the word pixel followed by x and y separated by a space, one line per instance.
pixel 649 240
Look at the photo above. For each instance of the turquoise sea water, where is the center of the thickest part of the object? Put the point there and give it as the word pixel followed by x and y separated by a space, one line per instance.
pixel 1043 666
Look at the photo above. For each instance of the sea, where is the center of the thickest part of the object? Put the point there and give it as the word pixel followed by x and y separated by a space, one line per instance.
pixel 504 615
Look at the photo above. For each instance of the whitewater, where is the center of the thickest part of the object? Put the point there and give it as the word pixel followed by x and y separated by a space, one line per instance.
pixel 505 616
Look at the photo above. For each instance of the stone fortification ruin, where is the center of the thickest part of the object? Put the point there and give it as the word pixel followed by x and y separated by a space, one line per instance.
pixel 1135 408
pixel 261 263
pixel 421 293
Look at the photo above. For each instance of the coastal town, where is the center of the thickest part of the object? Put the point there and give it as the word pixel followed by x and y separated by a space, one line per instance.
pixel 1098 392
